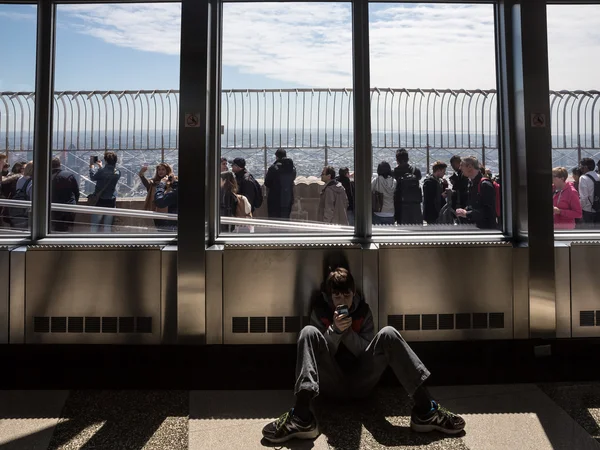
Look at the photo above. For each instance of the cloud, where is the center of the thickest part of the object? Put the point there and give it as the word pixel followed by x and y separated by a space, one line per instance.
pixel 17 15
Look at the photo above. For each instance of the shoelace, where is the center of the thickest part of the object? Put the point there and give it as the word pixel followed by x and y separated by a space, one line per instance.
pixel 447 414
pixel 281 421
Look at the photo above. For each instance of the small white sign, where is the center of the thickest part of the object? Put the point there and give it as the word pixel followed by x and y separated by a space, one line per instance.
pixel 192 120
pixel 538 120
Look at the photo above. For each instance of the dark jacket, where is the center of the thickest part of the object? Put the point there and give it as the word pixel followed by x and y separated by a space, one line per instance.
pixel 106 176
pixel 280 181
pixel 346 347
pixel 65 188
pixel 228 205
pixel 432 198
pixel 9 185
pixel 245 186
pixel 481 203
pixel 406 213
pixel 167 199
pixel 460 190
pixel 349 187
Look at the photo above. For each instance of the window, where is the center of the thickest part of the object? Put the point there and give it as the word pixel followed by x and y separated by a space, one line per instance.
pixel 433 104
pixel 572 43
pixel 17 109
pixel 286 118
pixel 115 122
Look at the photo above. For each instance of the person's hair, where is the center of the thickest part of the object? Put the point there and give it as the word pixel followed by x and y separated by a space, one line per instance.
pixel 111 158
pixel 223 159
pixel 340 280
pixel 230 183
pixel 471 161
pixel 280 153
pixel 3 156
pixel 439 165
pixel 455 158
pixel 576 171
pixel 560 172
pixel 384 169
pixel 167 167
pixel 28 172
pixel 344 171
pixel 55 163
pixel 401 156
pixel 18 166
pixel 329 170
pixel 588 162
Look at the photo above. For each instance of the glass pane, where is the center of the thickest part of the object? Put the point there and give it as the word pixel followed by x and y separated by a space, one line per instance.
pixel 115 136
pixel 286 118
pixel 433 108
pixel 572 45
pixel 17 108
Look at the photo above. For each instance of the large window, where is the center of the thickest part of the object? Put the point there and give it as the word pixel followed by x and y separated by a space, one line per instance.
pixel 573 46
pixel 116 105
pixel 287 140
pixel 433 108
pixel 17 108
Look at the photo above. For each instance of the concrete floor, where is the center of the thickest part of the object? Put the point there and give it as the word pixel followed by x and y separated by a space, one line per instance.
pixel 519 416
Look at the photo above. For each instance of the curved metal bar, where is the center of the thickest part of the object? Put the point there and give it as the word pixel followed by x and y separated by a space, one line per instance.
pixel 287 132
pixel 318 118
pixel 22 114
pixel 119 97
pixel 64 136
pixel 442 119
pixel 406 117
pixel 333 120
pixel 249 119
pixel 56 123
pixel 593 109
pixel 280 117
pixel 147 121
pixel 226 119
pixel 257 118
pixel 12 102
pixel 133 99
pixel 420 118
pixel 235 121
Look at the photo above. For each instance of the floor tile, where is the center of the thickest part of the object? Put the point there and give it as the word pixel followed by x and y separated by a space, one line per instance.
pixel 451 392
pixel 28 418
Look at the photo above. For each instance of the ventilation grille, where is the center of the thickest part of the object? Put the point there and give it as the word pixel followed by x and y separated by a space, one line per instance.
pixel 589 318
pixel 92 325
pixel 461 321
pixel 272 324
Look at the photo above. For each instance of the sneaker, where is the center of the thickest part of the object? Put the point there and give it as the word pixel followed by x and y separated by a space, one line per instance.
pixel 288 426
pixel 439 419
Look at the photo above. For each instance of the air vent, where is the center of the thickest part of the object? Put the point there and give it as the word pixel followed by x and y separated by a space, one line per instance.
pixel 446 321
pixel 598 318
pixel 586 318
pixel 41 324
pixel 412 322
pixel 275 324
pixel 429 321
pixel 239 324
pixel 143 324
pixel 58 324
pixel 109 324
pixel 75 325
pixel 463 321
pixel 92 324
pixel 126 325
pixel 257 325
pixel 496 320
pixel 292 324
pixel 397 322
pixel 480 320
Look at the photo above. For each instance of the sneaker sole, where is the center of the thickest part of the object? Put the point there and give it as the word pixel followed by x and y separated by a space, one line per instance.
pixel 429 428
pixel 313 434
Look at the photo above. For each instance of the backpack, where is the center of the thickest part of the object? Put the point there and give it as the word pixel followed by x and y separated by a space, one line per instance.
pixel 19 215
pixel 496 190
pixel 596 199
pixel 243 208
pixel 408 187
pixel 258 193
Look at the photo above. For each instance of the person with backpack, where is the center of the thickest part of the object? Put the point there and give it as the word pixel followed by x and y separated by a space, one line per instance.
pixel 247 184
pixel 19 216
pixel 434 194
pixel 228 199
pixel 567 208
pixel 407 197
pixel 460 184
pixel 65 190
pixel 481 198
pixel 105 192
pixel 280 182
pixel 589 192
pixel 382 190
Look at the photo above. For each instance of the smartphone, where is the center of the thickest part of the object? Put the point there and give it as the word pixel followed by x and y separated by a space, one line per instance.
pixel 343 309
pixel 93 159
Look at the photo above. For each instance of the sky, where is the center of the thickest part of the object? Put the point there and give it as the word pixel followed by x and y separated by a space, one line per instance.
pixel 283 45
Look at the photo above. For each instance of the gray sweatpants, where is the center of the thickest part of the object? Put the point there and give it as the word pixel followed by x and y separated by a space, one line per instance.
pixel 318 372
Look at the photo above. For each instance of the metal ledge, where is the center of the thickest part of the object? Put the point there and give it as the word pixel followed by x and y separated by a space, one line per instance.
pixel 92 247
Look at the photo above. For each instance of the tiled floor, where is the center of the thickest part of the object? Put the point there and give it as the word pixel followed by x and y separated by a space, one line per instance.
pixel 523 416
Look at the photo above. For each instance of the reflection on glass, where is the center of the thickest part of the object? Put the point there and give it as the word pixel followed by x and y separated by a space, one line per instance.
pixel 115 119
pixel 287 118
pixel 428 137
pixel 574 109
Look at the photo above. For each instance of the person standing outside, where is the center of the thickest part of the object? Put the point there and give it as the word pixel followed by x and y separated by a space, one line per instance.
pixel 344 178
pixel 333 203
pixel 481 202
pixel 460 183
pixel 587 183
pixel 246 183
pixel 106 179
pixel 567 208
pixel 280 182
pixel 408 195
pixel 65 190
pixel 434 194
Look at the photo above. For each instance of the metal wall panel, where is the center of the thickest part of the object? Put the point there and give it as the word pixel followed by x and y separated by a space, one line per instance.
pixel 432 284
pixel 563 290
pixel 521 293
pixel 168 294
pixel 96 295
pixel 17 296
pixel 275 283
pixel 214 295
pixel 4 293
pixel 585 289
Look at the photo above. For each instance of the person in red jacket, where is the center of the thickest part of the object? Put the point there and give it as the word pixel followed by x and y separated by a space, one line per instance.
pixel 566 203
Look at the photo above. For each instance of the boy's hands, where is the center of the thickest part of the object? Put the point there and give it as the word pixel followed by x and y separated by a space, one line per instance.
pixel 341 322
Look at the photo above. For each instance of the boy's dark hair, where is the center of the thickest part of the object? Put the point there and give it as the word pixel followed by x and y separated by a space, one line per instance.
pixel 329 170
pixel 576 171
pixel 280 153
pixel 55 164
pixel 111 158
pixel 384 169
pixel 402 156
pixel 589 163
pixel 344 171
pixel 340 280
pixel 455 158
pixel 439 165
